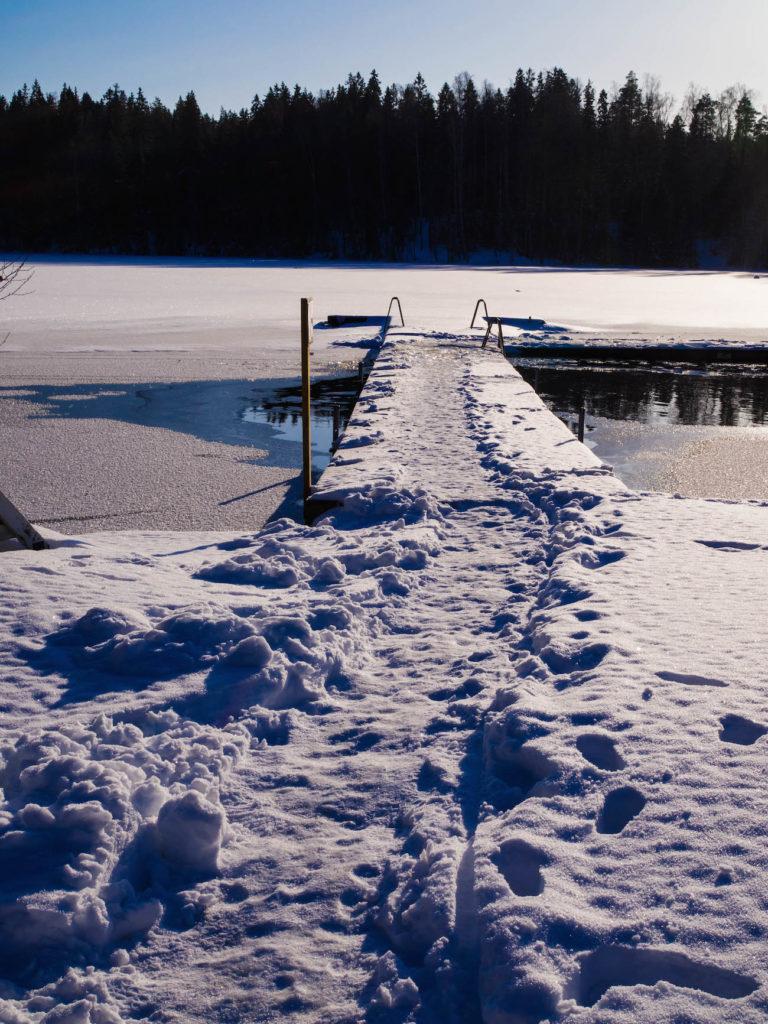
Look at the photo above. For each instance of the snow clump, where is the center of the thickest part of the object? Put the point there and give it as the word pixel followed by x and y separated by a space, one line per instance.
pixel 96 820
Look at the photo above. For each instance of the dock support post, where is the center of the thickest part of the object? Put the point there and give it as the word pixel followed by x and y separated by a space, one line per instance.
pixel 336 427
pixel 582 419
pixel 306 432
pixel 501 338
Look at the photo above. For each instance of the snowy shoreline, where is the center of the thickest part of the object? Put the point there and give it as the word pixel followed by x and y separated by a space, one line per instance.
pixel 486 743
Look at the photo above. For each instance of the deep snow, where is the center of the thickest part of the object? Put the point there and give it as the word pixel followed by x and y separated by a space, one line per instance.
pixel 486 743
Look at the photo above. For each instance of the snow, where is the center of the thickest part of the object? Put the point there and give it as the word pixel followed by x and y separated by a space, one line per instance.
pixel 143 304
pixel 485 743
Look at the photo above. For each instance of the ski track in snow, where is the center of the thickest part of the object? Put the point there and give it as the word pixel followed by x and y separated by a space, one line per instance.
pixel 485 744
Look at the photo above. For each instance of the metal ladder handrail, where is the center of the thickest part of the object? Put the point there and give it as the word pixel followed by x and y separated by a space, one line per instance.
pixel 474 315
pixel 400 308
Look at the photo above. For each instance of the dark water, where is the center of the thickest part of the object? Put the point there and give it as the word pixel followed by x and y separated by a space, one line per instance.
pixel 675 428
pixel 672 394
pixel 280 408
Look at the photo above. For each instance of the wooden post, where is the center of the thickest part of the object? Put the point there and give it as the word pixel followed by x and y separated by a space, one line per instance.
pixel 582 418
pixel 336 427
pixel 306 432
pixel 501 338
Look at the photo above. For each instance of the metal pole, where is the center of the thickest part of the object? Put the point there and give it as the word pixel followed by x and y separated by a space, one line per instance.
pixel 477 307
pixel 582 418
pixel 389 310
pixel 306 433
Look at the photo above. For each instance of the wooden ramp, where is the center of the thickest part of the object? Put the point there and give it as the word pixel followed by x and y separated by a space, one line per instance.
pixel 15 525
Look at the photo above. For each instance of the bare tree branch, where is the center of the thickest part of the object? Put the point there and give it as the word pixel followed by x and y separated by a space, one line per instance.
pixel 14 276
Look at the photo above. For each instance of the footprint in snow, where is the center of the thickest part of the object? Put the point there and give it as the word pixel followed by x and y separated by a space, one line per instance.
pixel 743 731
pixel 350 819
pixel 352 896
pixel 359 739
pixel 467 689
pixel 514 779
pixel 563 593
pixel 366 870
pixel 730 545
pixel 434 778
pixel 521 864
pixel 600 559
pixel 628 966
pixel 582 659
pixel 587 615
pixel 690 679
pixel 233 892
pixel 601 751
pixel 620 807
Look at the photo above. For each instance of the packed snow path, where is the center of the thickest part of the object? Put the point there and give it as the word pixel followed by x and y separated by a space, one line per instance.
pixel 487 743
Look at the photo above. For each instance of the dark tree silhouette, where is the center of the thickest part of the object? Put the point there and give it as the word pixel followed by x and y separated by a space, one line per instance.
pixel 545 170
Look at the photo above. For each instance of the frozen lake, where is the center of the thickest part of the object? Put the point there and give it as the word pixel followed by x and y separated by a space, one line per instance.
pixel 126 384
pixel 182 455
pixel 118 304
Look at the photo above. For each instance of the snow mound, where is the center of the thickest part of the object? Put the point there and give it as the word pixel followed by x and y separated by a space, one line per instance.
pixel 78 997
pixel 382 501
pixel 126 644
pixel 99 823
pixel 293 557
pixel 190 830
pixel 294 656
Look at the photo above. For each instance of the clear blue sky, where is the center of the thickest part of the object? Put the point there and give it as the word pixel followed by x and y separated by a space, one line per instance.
pixel 228 51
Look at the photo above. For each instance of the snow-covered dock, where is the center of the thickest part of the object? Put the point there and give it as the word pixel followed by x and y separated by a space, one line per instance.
pixel 486 743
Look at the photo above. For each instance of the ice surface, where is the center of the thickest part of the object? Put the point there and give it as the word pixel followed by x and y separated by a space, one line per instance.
pixel 92 303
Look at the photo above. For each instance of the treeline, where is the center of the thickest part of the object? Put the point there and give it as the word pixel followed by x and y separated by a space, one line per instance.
pixel 545 169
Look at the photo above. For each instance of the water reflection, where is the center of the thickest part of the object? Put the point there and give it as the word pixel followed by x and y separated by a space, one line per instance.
pixel 725 397
pixel 680 429
pixel 280 408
